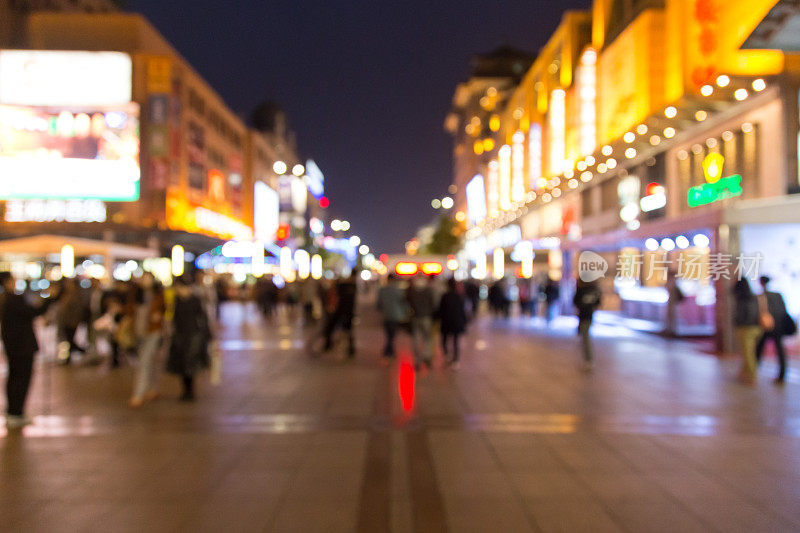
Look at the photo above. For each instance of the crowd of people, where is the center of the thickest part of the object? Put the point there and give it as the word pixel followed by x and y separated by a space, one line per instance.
pixel 138 319
pixel 144 321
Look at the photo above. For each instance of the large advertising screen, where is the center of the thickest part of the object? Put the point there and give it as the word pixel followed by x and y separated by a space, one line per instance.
pixel 266 212
pixel 74 138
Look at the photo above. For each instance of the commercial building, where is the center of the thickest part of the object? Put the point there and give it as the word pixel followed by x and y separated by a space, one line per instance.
pixel 654 134
pixel 110 135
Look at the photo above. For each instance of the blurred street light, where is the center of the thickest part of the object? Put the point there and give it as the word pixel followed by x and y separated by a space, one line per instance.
pixel 447 202
pixel 279 167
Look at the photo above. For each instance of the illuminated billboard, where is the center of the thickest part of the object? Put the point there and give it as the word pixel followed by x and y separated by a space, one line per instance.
pixel 266 205
pixel 476 199
pixel 48 153
pixel 68 128
pixel 64 78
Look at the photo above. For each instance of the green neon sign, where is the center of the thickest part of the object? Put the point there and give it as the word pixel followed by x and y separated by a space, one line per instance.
pixel 721 189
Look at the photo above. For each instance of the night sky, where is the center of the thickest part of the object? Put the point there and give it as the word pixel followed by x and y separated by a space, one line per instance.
pixel 366 88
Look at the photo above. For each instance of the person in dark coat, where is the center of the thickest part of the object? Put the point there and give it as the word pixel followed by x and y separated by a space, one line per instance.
pixel 453 318
pixel 747 328
pixel 586 301
pixel 552 292
pixel 19 340
pixel 344 313
pixel 191 335
pixel 782 325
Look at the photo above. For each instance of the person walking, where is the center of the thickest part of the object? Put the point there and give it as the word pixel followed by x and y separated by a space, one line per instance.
pixel 392 305
pixel 344 313
pixel 69 315
pixel 747 329
pixel 19 340
pixel 191 335
pixel 453 317
pixel 150 331
pixel 777 325
pixel 421 303
pixel 552 292
pixel 586 300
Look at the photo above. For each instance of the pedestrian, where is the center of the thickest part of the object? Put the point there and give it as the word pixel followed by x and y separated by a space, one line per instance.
pixel 473 293
pixel 393 307
pixel 421 302
pixel 344 313
pixel 776 323
pixel 453 318
pixel 191 335
pixel 308 294
pixel 674 298
pixel 19 341
pixel 552 292
pixel 524 297
pixel 95 309
pixel 747 329
pixel 69 315
pixel 586 300
pixel 150 331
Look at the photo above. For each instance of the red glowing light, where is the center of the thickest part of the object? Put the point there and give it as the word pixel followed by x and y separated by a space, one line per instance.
pixel 324 202
pixel 653 188
pixel 384 258
pixel 431 269
pixel 405 268
pixel 283 232
pixel 406 385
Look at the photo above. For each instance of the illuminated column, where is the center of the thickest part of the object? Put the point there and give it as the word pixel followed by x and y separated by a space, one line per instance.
pixel 67 261
pixel 557 131
pixel 287 268
pixel 526 258
pixel 518 167
pixel 479 272
pixel 492 186
pixel 534 156
pixel 257 267
pixel 178 260
pixel 587 95
pixel 499 263
pixel 303 261
pixel 316 266
pixel 504 171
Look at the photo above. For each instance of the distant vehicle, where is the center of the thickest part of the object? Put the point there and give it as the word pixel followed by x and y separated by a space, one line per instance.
pixel 410 265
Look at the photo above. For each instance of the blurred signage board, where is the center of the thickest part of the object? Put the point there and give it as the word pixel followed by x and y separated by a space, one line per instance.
pixel 476 199
pixel 266 212
pixel 192 217
pixel 55 211
pixel 65 78
pixel 51 153
pixel 315 180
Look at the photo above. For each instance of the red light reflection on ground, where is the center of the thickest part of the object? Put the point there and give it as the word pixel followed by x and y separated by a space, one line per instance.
pixel 406 385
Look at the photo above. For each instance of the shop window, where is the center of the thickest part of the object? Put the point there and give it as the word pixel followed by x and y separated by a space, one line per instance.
pixel 609 198
pixel 587 203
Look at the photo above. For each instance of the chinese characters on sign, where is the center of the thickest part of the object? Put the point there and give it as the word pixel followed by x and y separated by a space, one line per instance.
pixel 690 266
pixel 55 211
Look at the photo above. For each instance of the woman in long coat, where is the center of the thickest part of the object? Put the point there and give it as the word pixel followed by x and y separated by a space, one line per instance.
pixel 453 317
pixel 191 335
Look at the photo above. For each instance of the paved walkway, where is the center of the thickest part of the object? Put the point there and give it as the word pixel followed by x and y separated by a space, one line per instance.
pixel 658 438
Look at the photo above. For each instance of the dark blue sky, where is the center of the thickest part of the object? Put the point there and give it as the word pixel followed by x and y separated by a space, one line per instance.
pixel 366 86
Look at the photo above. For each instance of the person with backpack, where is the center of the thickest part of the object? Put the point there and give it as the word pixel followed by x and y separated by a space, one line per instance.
pixel 777 323
pixel 453 319
pixel 747 328
pixel 586 300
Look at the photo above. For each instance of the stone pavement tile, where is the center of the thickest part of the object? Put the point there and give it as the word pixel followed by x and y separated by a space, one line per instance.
pixel 253 485
pixel 467 483
pixel 583 452
pixel 481 514
pixel 532 459
pixel 612 489
pixel 311 514
pixel 458 450
pixel 736 515
pixel 656 516
pixel 561 485
pixel 571 516
pixel 57 517
pixel 222 513
pixel 645 454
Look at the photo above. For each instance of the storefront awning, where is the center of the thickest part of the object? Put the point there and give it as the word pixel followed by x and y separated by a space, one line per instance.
pixel 42 245
pixel 776 210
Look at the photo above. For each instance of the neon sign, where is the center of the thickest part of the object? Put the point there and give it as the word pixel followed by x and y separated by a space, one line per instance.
pixel 716 187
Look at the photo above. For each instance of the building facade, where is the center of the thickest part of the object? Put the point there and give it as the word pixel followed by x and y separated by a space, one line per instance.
pixel 652 134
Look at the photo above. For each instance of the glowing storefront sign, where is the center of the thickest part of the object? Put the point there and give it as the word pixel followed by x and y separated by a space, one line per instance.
pixel 534 155
pixel 557 131
pixel 55 211
pixel 518 167
pixel 266 212
pixel 716 187
pixel 221 225
pixel 628 191
pixel 587 96
pixel 65 78
pixel 655 198
pixel 504 175
pixel 315 180
pixel 492 188
pixel 476 199
pixel 58 154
